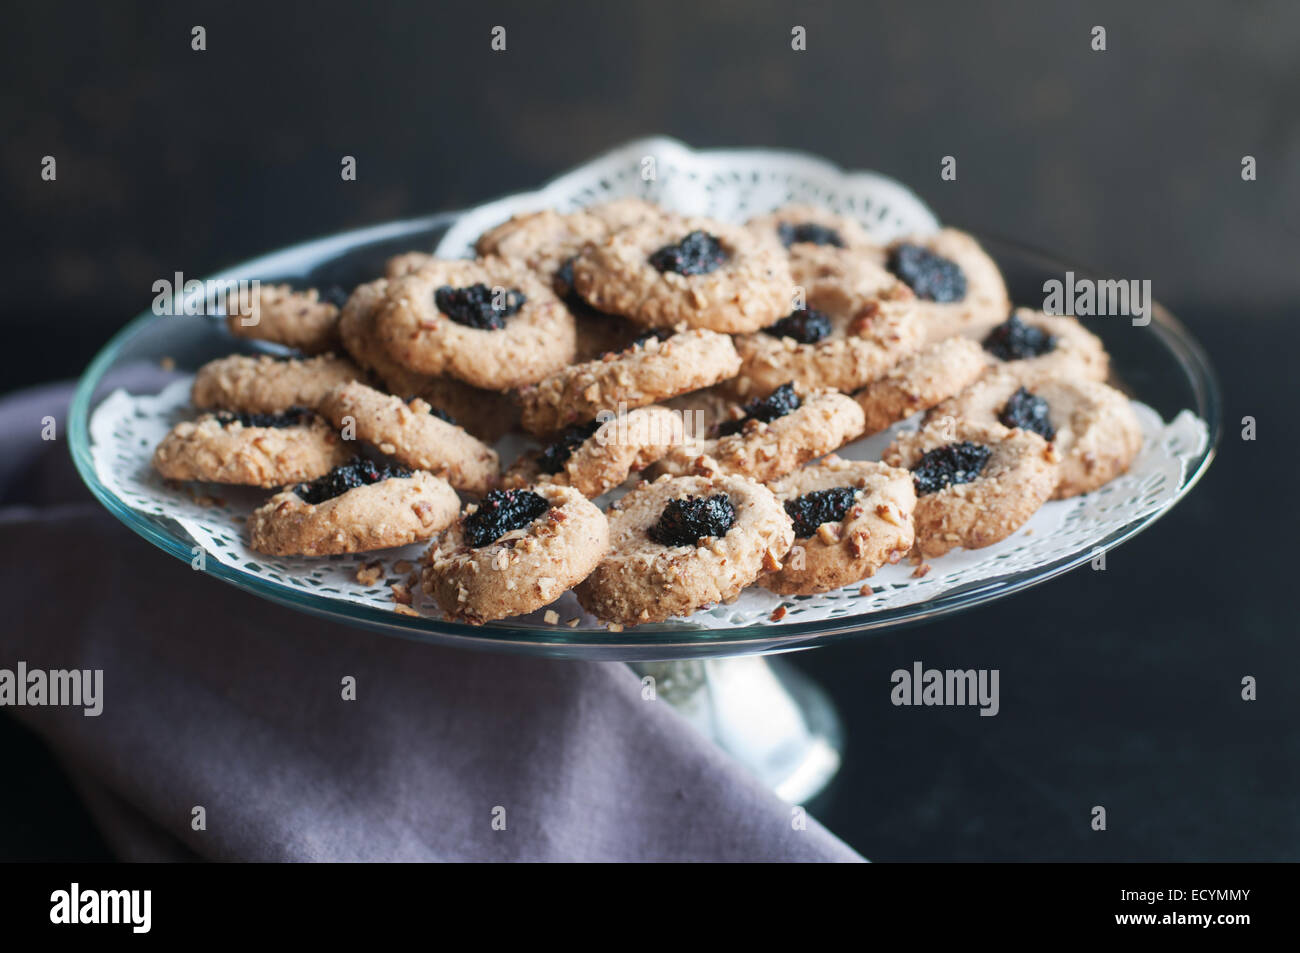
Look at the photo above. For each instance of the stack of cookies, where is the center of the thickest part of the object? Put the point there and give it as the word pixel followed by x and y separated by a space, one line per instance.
pixel 718 367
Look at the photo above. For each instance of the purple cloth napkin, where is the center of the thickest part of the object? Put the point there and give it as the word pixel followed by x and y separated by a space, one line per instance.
pixel 214 698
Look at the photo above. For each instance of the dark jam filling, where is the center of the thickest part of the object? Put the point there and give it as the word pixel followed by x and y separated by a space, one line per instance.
pixel 697 254
pixel 808 233
pixel 805 325
pixel 357 472
pixel 931 276
pixel 946 466
pixel 555 454
pixel 500 512
pixel 1013 340
pixel 474 307
pixel 293 417
pixel 820 506
pixel 767 409
pixel 685 522
pixel 1028 412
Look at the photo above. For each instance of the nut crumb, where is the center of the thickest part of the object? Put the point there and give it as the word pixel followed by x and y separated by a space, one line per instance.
pixel 401 594
pixel 921 570
pixel 405 610
pixel 778 613
pixel 551 617
pixel 866 590
pixel 573 623
pixel 614 627
pixel 369 574
pixel 1029 531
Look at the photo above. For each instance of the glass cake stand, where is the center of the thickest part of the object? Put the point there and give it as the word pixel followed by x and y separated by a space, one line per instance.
pixel 763 712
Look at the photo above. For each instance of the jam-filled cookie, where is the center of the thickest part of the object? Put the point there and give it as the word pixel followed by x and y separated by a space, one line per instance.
pixel 303 320
pixel 1093 426
pixel 850 518
pixel 682 543
pixel 599 455
pixel 1048 344
pixel 515 552
pixel 413 433
pixel 649 370
pixel 847 334
pixel 487 322
pixel 486 414
pixel 357 507
pixel 693 271
pixel 796 226
pixel 958 286
pixel 267 450
pixel 919 381
pixel 975 485
pixel 268 385
pixel 776 435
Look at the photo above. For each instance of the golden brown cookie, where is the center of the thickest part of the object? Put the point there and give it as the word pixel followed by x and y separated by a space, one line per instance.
pixel 268 385
pixel 795 227
pixel 694 271
pixel 298 319
pixel 682 543
pixel 600 455
pixel 486 322
pixel 649 371
pixel 515 552
pixel 850 518
pixel 975 485
pixel 1093 426
pixel 356 507
pixel 250 449
pixel 414 435
pixel 778 434
pixel 484 413
pixel 958 286
pixel 850 332
pixel 920 381
pixel 1048 344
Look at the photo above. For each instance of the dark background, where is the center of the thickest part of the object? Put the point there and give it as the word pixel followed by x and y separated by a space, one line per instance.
pixel 1119 688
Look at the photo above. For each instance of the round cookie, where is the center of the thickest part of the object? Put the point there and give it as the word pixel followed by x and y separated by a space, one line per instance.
pixel 302 320
pixel 668 271
pixel 778 434
pixel 919 381
pixel 488 323
pixel 405 264
pixel 845 337
pixel 356 507
pixel 850 518
pixel 975 485
pixel 594 458
pixel 675 546
pixel 798 226
pixel 268 385
pixel 484 413
pixel 1047 345
pixel 266 450
pixel 959 287
pixel 1093 426
pixel 648 371
pixel 515 552
pixel 411 433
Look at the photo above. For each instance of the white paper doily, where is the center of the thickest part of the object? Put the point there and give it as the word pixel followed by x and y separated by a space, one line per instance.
pixel 732 186
pixel 125 429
